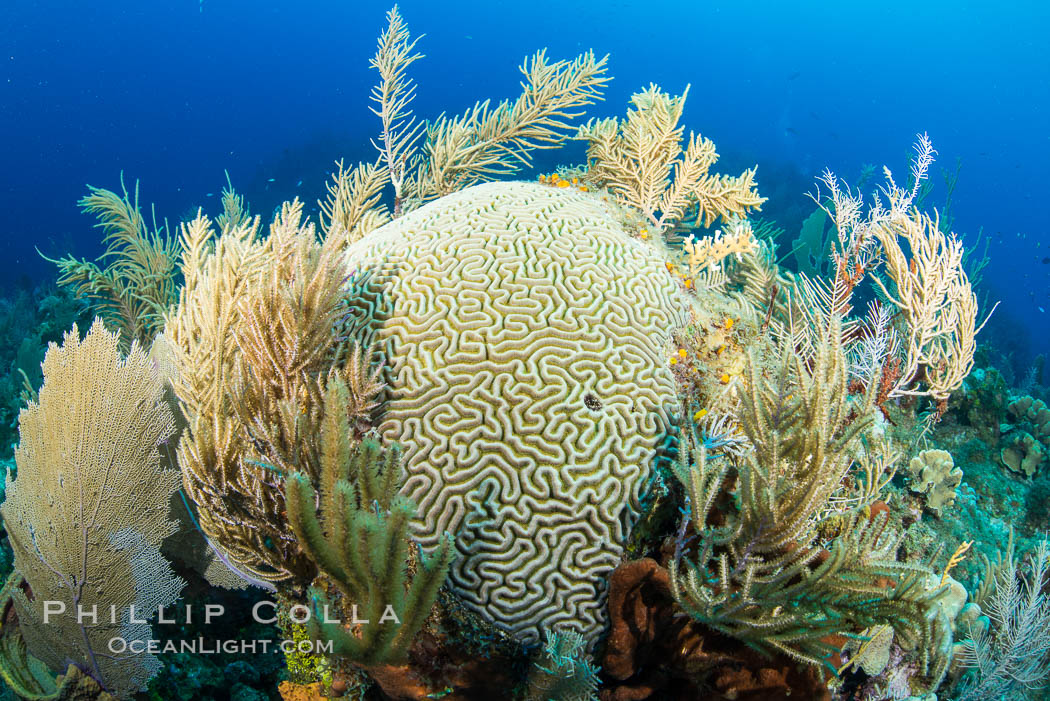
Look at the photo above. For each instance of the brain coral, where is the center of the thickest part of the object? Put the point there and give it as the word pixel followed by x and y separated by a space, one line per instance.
pixel 526 339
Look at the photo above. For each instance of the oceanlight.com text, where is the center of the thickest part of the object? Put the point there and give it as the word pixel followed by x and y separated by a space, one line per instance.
pixel 202 646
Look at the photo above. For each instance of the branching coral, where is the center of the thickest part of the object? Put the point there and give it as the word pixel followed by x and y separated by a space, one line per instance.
pixel 710 251
pixel 1008 659
pixel 642 162
pixel 280 372
pixel 275 400
pixel 565 673
pixel 938 304
pixel 482 144
pixel 234 209
pixel 354 207
pixel 236 502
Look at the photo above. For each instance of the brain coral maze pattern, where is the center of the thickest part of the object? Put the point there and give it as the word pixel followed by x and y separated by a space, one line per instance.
pixel 525 335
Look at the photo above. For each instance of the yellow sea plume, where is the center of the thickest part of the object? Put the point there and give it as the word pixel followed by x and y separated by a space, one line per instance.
pixel 924 277
pixel 935 297
pixel 487 142
pixel 484 142
pixel 642 162
pixel 136 287
pixel 354 205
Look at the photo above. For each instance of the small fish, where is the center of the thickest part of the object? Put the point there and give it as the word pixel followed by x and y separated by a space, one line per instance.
pixel 1041 310
pixel 210 194
pixel 299 183
pixel 791 130
pixel 1046 261
pixel 270 180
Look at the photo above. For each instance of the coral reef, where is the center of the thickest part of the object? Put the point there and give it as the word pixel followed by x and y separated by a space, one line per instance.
pixel 452 418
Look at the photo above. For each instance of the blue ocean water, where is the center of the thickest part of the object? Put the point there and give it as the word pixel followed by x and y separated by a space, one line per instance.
pixel 174 92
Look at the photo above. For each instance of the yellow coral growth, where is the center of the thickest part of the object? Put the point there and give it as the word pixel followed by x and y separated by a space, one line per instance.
pixel 955 559
pixel 642 162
